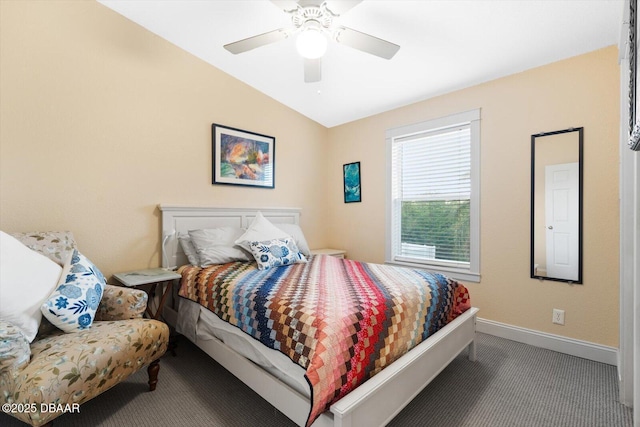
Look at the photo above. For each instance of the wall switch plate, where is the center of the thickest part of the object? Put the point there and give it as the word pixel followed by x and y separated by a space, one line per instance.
pixel 558 316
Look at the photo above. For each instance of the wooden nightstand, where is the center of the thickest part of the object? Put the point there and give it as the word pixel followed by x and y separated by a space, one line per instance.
pixel 153 277
pixel 338 253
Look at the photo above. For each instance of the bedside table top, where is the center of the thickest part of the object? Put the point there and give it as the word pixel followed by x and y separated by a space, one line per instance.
pixel 328 251
pixel 145 277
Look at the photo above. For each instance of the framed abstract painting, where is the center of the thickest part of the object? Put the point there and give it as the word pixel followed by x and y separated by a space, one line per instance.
pixel 242 158
pixel 352 185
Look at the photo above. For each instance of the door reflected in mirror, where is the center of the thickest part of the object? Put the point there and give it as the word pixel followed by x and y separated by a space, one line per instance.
pixel 556 205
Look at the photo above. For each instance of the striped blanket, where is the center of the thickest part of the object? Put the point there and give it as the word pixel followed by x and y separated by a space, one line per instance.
pixel 341 320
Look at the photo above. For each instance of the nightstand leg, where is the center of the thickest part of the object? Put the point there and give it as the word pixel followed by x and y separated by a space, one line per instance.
pixel 163 298
pixel 152 297
pixel 173 344
pixel 166 292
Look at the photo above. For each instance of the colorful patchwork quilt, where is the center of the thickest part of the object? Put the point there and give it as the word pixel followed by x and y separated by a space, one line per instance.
pixel 341 320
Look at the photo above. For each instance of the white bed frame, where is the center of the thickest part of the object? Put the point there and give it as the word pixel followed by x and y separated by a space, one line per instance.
pixel 375 402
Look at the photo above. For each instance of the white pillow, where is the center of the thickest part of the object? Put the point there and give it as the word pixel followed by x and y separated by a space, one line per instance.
pixel 55 245
pixel 27 278
pixel 72 306
pixel 260 230
pixel 276 253
pixel 295 231
pixel 188 249
pixel 216 245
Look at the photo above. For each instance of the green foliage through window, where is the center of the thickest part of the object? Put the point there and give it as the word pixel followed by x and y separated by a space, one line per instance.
pixel 444 224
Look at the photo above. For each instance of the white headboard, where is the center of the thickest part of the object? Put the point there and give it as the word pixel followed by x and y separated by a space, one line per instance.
pixel 180 219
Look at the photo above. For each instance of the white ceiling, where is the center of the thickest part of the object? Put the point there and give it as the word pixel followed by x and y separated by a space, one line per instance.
pixel 445 45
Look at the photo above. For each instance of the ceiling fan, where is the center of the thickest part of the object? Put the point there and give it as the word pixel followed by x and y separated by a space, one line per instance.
pixel 315 21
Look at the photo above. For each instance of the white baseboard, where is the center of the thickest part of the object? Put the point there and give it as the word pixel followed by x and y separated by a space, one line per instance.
pixel 573 347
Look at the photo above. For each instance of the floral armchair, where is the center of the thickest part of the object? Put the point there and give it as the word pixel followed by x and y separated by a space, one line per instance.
pixel 65 370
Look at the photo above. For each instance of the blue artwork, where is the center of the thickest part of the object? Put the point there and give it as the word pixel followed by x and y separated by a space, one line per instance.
pixel 352 188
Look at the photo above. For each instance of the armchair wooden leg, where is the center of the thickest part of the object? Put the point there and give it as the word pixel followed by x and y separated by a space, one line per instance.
pixel 153 369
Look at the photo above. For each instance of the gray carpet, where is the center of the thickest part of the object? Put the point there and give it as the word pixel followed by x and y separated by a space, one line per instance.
pixel 511 384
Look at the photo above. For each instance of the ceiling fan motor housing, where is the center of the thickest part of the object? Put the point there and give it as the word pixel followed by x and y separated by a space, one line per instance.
pixel 316 17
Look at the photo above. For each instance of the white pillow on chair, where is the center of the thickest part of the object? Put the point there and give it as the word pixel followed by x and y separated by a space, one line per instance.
pixel 27 278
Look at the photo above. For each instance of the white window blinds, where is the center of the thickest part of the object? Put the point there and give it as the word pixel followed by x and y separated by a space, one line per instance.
pixel 431 203
pixel 433 188
pixel 436 166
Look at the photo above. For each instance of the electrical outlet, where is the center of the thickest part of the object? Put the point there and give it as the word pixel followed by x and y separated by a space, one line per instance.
pixel 558 316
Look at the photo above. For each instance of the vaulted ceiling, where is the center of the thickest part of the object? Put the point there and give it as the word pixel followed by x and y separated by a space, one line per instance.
pixel 445 45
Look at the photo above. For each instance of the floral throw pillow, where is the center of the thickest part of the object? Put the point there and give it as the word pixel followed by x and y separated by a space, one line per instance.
pixel 276 253
pixel 72 306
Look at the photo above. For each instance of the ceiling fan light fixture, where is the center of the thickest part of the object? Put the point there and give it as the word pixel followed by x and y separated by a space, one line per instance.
pixel 311 44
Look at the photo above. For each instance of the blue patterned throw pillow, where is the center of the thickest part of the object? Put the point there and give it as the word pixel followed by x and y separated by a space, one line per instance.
pixel 276 253
pixel 72 306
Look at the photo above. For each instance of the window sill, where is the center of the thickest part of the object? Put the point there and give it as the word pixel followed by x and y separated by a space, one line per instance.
pixel 462 275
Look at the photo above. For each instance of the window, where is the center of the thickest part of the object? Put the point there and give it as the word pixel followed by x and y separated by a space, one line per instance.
pixel 433 218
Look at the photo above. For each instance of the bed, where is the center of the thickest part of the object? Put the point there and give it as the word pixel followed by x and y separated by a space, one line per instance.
pixel 374 402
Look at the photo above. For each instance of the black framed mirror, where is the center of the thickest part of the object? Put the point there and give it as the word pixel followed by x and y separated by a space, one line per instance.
pixel 556 205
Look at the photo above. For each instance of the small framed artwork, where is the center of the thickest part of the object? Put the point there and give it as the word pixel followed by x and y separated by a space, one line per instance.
pixel 351 178
pixel 243 158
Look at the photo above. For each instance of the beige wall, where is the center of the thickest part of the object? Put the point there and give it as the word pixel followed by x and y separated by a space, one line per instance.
pixel 101 121
pixel 581 91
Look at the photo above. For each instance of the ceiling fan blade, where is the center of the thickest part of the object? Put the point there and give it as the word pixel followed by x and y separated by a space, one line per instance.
pixel 312 70
pixel 287 5
pixel 257 41
pixel 339 7
pixel 366 43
